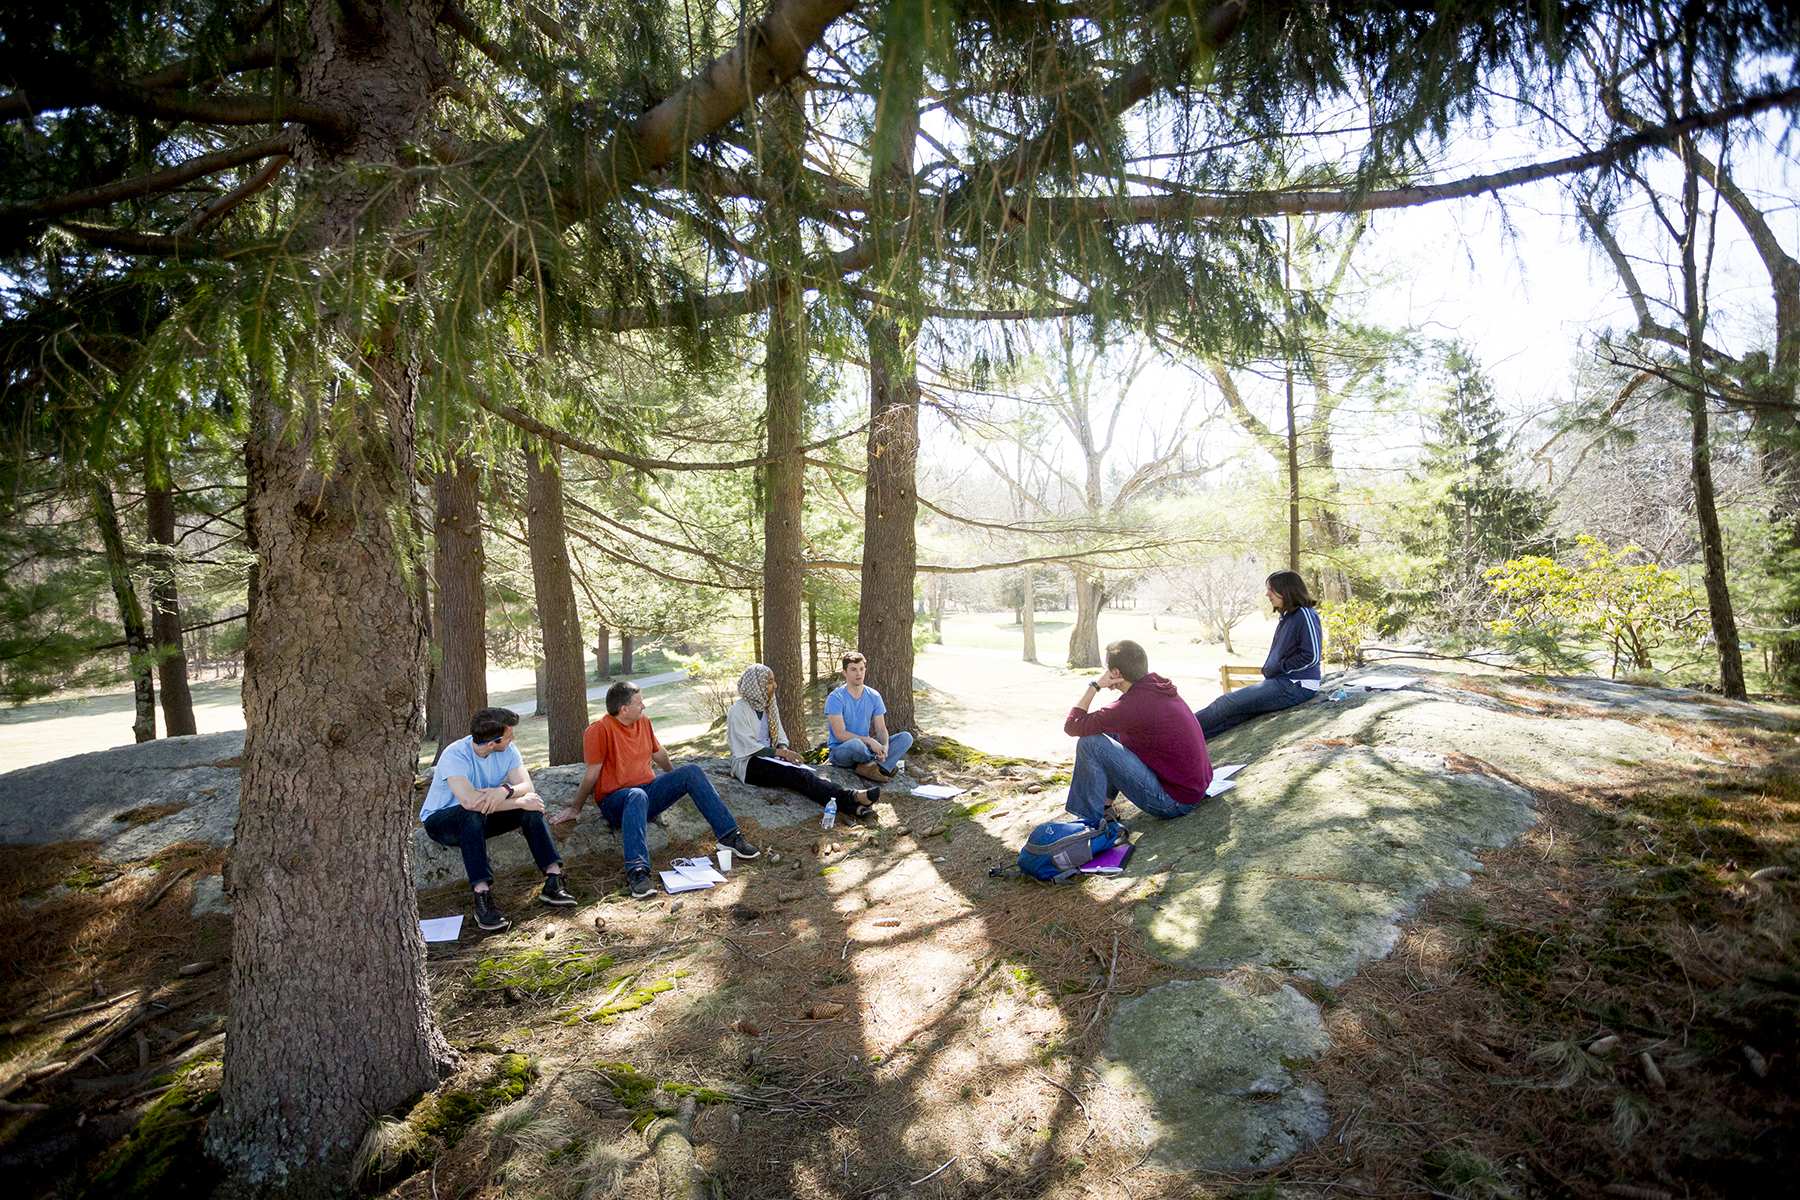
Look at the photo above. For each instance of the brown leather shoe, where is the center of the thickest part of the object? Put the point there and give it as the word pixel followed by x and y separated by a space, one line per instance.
pixel 872 770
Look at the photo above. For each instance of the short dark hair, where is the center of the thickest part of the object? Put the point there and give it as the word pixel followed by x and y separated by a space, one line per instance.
pixel 1129 660
pixel 854 656
pixel 490 724
pixel 619 695
pixel 1292 590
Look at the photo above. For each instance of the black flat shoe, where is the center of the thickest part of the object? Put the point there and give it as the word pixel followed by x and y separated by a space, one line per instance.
pixel 866 809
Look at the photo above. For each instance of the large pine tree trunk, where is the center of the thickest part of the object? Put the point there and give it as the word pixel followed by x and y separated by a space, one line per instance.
pixel 461 619
pixel 563 700
pixel 165 612
pixel 330 1021
pixel 1084 638
pixel 131 612
pixel 784 490
pixel 890 519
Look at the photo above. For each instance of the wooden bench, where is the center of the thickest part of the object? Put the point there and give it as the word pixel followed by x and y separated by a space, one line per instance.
pixel 1232 678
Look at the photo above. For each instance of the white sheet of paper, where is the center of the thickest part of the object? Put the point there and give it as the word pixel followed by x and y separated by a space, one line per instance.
pixel 1386 683
pixel 937 791
pixel 700 870
pixel 1227 772
pixel 676 881
pixel 1220 785
pixel 441 929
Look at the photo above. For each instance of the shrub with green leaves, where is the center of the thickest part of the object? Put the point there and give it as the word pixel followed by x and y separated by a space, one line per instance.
pixel 1635 609
pixel 1348 624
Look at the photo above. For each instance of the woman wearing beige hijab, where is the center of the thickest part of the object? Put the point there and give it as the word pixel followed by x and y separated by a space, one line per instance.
pixel 759 751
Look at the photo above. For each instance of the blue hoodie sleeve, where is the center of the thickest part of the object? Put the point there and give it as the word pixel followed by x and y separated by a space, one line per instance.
pixel 1298 648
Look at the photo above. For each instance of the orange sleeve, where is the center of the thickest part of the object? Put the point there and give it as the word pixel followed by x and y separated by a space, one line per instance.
pixel 593 744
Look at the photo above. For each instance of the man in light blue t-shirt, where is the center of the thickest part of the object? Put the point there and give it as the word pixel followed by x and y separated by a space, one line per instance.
pixel 479 789
pixel 856 726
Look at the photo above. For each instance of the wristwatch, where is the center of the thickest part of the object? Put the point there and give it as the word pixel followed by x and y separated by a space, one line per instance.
pixel 509 790
pixel 1095 684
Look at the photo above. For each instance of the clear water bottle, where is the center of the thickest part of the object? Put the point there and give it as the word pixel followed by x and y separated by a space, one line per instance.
pixel 830 817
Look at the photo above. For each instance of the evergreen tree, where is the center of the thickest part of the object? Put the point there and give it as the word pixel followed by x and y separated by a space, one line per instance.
pixel 1484 516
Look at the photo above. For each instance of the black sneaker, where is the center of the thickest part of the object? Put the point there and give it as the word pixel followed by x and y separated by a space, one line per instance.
pixel 488 914
pixel 739 845
pixel 639 881
pixel 554 892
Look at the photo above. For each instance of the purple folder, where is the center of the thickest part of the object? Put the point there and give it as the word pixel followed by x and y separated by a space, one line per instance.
pixel 1108 862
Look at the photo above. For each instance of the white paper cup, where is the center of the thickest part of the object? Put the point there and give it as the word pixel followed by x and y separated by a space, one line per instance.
pixel 724 859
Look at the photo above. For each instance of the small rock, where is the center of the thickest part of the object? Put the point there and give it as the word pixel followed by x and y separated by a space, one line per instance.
pixel 196 968
pixel 549 935
pixel 1757 1062
pixel 599 924
pixel 902 830
pixel 789 897
pixel 677 907
pixel 936 829
pixel 774 856
pixel 1652 1073
pixel 1034 789
pixel 1605 1045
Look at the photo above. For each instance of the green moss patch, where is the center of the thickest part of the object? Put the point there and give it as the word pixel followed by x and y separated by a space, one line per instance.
pixel 540 973
pixel 640 1093
pixel 632 1000
pixel 439 1121
pixel 967 757
pixel 162 1157
pixel 963 812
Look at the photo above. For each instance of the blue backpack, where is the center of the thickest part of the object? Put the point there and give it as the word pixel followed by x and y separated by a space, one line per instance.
pixel 1057 850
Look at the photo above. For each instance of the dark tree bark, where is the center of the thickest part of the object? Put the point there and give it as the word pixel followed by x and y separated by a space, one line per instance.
pixel 626 645
pixel 1712 541
pixel 328 1028
pixel 563 698
pixel 890 500
pixel 784 479
pixel 890 521
pixel 165 609
pixel 603 654
pixel 461 624
pixel 131 612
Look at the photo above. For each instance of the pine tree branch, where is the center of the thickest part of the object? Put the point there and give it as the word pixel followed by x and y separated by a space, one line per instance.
pixel 157 181
pixel 132 241
pixel 236 196
pixel 771 52
pixel 168 104
pixel 58 83
pixel 460 22
pixel 550 433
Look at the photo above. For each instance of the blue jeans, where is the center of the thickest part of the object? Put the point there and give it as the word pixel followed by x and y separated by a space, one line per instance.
pixel 1234 708
pixel 469 831
pixel 848 754
pixel 629 809
pixel 1103 769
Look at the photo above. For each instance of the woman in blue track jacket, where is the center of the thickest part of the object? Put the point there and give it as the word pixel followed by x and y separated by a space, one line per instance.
pixel 1291 672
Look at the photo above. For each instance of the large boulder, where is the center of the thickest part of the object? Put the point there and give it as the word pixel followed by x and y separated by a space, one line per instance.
pixel 135 800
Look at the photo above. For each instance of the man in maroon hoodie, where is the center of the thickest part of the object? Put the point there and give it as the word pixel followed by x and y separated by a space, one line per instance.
pixel 1145 744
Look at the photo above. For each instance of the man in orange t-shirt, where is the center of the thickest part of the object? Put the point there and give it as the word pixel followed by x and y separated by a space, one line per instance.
pixel 619 749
